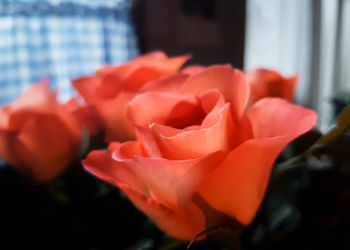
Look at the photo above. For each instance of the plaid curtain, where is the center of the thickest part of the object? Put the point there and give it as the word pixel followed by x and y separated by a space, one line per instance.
pixel 61 40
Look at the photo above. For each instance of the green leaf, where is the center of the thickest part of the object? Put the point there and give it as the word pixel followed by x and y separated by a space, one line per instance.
pixel 142 244
pixel 342 123
pixel 59 191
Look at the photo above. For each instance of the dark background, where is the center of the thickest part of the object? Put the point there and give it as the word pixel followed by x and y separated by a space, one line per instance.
pixel 212 31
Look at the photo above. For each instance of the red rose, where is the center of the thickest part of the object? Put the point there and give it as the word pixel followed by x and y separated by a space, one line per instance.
pixel 199 158
pixel 38 136
pixel 108 92
pixel 268 83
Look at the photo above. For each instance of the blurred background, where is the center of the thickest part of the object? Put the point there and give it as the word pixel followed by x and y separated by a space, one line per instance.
pixel 64 39
pixel 61 40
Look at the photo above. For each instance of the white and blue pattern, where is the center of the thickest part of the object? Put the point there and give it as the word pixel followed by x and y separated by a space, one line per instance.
pixel 61 40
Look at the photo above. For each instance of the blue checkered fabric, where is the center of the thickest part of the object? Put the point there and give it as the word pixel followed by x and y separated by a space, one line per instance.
pixel 61 40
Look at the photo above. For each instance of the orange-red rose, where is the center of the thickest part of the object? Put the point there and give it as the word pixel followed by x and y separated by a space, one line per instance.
pixel 268 83
pixel 38 137
pixel 107 93
pixel 199 157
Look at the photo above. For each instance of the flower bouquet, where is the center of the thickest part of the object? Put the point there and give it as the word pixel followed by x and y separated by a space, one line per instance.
pixel 152 154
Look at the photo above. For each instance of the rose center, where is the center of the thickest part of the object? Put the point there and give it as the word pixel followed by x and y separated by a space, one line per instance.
pixel 185 114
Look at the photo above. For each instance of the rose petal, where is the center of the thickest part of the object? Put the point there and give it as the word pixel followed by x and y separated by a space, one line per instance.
pixel 101 164
pixel 168 84
pixel 230 82
pixel 145 180
pixel 143 75
pixel 243 131
pixel 113 146
pixel 89 117
pixel 86 87
pixel 237 186
pixel 110 87
pixel 182 224
pixel 146 138
pixel 152 107
pixel 133 75
pixel 212 101
pixel 117 125
pixel 5 117
pixel 38 96
pixel 170 182
pixel 272 117
pixel 37 99
pixel 149 70
pixel 7 149
pixel 171 65
pixel 193 69
pixel 155 55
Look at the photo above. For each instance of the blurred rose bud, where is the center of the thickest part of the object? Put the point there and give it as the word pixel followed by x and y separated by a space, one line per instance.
pixel 38 136
pixel 107 93
pixel 268 83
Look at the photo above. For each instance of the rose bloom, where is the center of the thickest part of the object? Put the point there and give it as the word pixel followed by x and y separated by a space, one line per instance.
pixel 200 159
pixel 38 136
pixel 107 93
pixel 269 83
